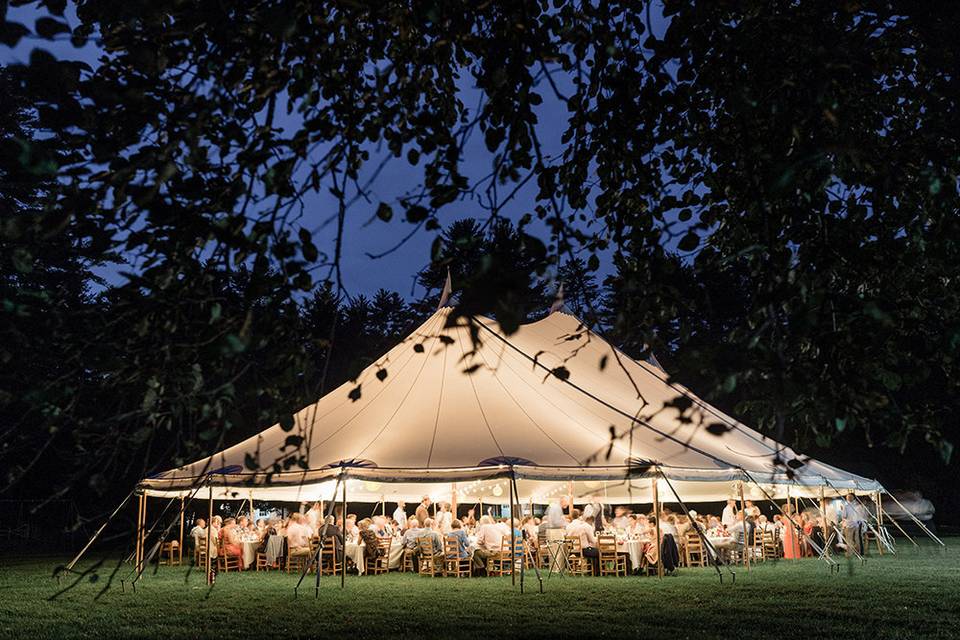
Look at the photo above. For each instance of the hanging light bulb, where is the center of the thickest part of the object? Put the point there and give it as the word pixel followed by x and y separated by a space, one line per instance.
pixel 497 490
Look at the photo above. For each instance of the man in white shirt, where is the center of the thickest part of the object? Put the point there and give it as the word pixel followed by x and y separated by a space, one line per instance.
pixel 298 536
pixel 400 515
pixel 583 528
pixel 852 523
pixel 489 541
pixel 729 516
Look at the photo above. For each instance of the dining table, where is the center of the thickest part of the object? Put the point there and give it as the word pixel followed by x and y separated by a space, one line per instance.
pixel 355 550
pixel 634 548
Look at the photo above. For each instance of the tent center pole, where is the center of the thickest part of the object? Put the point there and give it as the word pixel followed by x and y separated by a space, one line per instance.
pixel 343 564
pixel 656 515
pixel 746 542
pixel 209 564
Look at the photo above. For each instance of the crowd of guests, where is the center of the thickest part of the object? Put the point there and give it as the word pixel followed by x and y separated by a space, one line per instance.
pixel 483 538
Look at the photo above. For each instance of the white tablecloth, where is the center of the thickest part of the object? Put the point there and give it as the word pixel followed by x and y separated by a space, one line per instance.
pixel 634 550
pixel 355 553
pixel 249 552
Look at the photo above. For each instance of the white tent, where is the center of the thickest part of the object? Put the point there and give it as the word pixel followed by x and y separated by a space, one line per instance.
pixel 459 406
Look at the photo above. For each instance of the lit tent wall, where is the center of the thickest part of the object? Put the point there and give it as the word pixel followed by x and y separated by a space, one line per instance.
pixel 458 406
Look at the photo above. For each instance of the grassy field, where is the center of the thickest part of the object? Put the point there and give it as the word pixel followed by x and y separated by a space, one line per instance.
pixel 913 595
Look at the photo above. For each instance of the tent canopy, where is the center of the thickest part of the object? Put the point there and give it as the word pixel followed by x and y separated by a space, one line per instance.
pixel 459 405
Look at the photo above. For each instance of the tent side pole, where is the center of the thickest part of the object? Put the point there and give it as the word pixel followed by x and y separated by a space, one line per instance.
pixel 96 535
pixel 823 521
pixel 183 508
pixel 343 565
pixel 897 525
pixel 570 503
pixel 876 502
pixel 138 532
pixel 513 537
pixel 656 515
pixel 143 538
pixel 917 522
pixel 832 563
pixel 747 547
pixel 453 500
pixel 209 565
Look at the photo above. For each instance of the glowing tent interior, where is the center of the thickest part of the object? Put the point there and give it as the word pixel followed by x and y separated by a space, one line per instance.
pixel 459 406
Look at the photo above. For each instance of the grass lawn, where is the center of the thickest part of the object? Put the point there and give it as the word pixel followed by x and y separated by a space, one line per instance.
pixel 913 595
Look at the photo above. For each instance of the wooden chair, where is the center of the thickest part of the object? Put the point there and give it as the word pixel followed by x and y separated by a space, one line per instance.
pixel 200 553
pixel 611 562
pixel 453 564
pixel 693 553
pixel 226 563
pixel 297 563
pixel 431 563
pixel 543 552
pixel 329 558
pixel 579 565
pixel 380 563
pixel 262 564
pixel 508 559
pixel 170 553
pixel 770 548
pixel 407 563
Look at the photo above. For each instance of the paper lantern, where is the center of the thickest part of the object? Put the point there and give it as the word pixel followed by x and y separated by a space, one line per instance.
pixel 497 490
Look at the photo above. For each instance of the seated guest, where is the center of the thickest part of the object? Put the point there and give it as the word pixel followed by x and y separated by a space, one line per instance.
pixel 350 529
pixel 583 528
pixel 230 538
pixel 621 518
pixel 381 528
pixel 529 528
pixel 329 529
pixel 371 547
pixel 504 527
pixel 489 541
pixel 463 543
pixel 741 529
pixel 431 529
pixel 298 536
pixel 412 533
pixel 242 523
pixel 198 533
pixel 572 525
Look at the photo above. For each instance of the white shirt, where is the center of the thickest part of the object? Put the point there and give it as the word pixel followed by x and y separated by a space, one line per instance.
pixel 489 537
pixel 401 517
pixel 851 514
pixel 584 531
pixel 729 516
pixel 313 518
pixel 298 535
pixel 446 521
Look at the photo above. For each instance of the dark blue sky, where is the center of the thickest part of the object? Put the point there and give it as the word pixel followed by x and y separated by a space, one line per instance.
pixel 362 237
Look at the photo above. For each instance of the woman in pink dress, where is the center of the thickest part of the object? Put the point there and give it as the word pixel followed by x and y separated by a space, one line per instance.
pixel 791 542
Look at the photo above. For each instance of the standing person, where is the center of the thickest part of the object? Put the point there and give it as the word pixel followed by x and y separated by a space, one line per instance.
pixel 423 510
pixel 791 541
pixel 445 518
pixel 315 517
pixel 595 510
pixel 400 515
pixel 852 523
pixel 729 516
